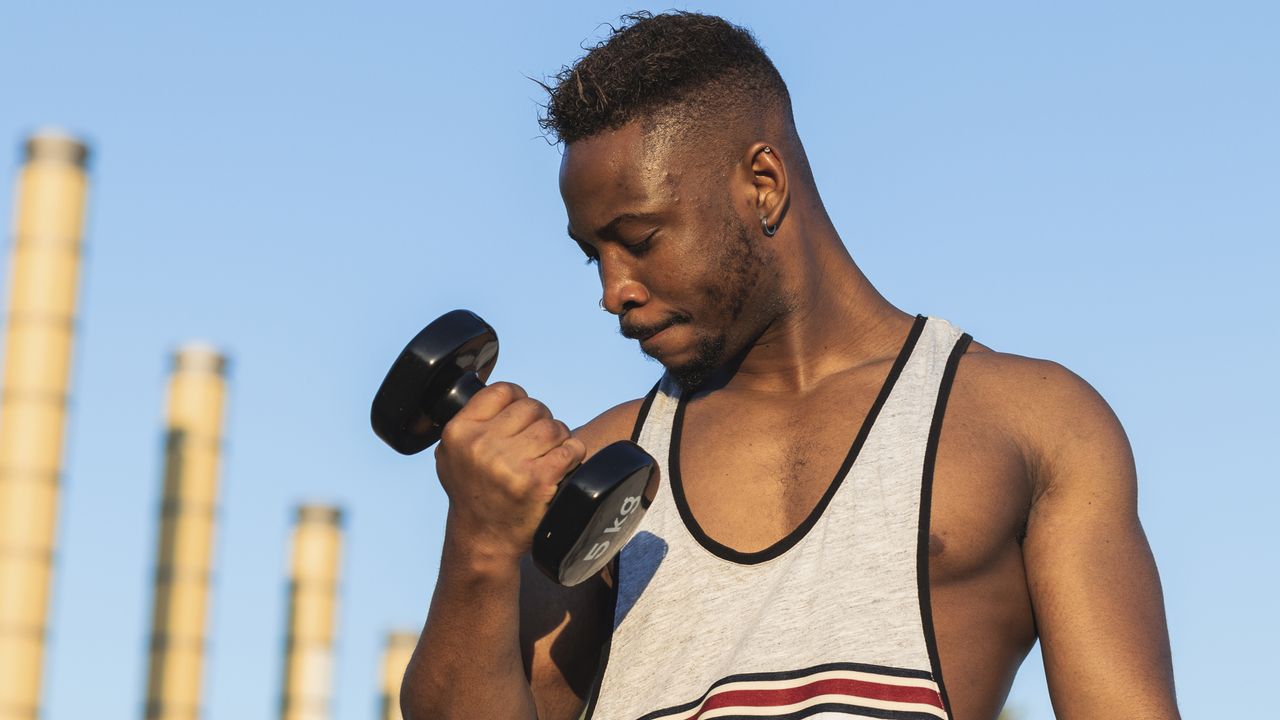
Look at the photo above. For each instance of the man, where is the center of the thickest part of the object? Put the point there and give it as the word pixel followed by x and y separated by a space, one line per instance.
pixel 863 513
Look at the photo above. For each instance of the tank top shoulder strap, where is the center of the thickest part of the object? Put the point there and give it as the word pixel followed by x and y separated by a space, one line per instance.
pixel 656 419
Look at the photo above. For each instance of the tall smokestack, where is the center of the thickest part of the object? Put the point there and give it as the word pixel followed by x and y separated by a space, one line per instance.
pixel 395 658
pixel 313 599
pixel 197 389
pixel 43 280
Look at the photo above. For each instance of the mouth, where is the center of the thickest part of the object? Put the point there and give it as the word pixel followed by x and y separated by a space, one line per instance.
pixel 644 333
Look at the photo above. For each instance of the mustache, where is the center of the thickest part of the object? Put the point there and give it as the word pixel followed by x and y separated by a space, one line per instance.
pixel 635 331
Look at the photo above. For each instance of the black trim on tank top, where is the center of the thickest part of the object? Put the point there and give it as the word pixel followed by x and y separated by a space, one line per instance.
pixel 926 503
pixel 644 413
pixel 615 569
pixel 789 541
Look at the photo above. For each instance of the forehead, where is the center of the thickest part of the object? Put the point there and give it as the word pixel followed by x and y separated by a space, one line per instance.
pixel 616 171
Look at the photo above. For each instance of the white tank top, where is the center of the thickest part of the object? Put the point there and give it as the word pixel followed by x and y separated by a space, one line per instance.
pixel 832 621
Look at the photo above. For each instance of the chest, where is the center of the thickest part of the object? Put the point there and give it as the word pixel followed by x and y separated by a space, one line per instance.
pixel 752 472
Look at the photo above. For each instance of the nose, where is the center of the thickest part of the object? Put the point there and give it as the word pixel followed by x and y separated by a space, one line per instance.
pixel 622 290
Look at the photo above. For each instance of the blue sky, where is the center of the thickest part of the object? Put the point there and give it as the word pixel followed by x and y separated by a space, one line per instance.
pixel 306 184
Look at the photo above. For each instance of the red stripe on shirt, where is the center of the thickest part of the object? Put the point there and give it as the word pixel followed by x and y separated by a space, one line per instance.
pixel 854 689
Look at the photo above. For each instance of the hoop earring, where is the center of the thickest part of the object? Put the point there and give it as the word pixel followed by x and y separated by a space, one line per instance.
pixel 769 231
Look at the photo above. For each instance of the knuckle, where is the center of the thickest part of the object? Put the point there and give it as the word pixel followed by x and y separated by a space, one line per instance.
pixel 451 433
pixel 518 489
pixel 498 388
pixel 510 490
pixel 527 407
pixel 574 448
pixel 506 390
pixel 548 429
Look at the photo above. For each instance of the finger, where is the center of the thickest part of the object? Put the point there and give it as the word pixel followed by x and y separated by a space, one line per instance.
pixel 516 417
pixel 559 460
pixel 491 400
pixel 544 435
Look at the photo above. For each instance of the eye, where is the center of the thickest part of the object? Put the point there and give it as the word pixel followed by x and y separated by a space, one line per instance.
pixel 592 257
pixel 642 247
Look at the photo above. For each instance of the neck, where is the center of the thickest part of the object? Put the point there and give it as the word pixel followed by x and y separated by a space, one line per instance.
pixel 834 320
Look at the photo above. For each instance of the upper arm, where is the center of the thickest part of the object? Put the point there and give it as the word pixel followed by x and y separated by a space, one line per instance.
pixel 563 630
pixel 1090 571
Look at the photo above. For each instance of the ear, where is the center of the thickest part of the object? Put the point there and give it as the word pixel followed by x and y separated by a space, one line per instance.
pixel 772 192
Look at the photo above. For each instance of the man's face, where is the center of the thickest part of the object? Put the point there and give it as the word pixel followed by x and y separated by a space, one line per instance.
pixel 678 262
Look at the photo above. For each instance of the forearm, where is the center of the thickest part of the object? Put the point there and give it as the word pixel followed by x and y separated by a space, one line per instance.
pixel 468 662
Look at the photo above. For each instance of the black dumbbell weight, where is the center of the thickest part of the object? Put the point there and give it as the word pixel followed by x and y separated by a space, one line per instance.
pixel 597 506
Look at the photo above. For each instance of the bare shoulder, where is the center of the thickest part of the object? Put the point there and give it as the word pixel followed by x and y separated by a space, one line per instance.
pixel 1035 388
pixel 1049 413
pixel 616 423
pixel 1090 573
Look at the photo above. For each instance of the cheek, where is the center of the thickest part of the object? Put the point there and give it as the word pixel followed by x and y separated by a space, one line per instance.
pixel 704 279
pixel 712 268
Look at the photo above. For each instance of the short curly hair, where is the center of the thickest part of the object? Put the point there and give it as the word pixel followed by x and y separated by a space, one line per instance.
pixel 682 65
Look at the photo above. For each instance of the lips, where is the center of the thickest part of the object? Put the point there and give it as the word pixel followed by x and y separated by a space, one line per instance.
pixel 647 342
pixel 645 332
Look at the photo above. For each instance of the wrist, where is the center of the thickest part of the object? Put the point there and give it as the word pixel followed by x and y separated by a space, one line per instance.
pixel 478 555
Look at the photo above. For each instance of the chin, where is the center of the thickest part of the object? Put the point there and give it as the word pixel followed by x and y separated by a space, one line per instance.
pixel 693 369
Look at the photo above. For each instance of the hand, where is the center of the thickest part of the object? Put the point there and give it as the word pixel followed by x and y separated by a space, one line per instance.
pixel 499 460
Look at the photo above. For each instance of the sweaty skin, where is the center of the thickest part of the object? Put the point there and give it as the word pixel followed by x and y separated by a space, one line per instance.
pixel 1034 530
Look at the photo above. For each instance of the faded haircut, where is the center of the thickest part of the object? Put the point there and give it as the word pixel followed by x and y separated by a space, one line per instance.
pixel 680 69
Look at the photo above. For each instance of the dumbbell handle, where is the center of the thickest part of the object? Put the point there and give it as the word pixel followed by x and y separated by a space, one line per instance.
pixel 464 388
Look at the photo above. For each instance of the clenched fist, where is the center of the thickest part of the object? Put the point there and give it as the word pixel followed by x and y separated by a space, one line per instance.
pixel 499 460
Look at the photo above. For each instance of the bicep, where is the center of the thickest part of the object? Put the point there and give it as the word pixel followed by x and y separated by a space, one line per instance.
pixel 562 630
pixel 1092 577
pixel 561 633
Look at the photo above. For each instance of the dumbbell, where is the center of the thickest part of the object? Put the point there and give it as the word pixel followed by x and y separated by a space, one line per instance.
pixel 596 507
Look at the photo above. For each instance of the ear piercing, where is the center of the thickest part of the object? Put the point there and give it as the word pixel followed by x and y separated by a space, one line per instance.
pixel 764 223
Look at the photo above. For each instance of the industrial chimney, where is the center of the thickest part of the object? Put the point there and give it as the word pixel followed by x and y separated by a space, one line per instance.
pixel 188 512
pixel 44 274
pixel 313 602
pixel 395 658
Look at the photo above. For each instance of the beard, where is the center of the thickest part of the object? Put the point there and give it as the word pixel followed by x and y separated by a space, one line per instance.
pixel 708 354
pixel 742 271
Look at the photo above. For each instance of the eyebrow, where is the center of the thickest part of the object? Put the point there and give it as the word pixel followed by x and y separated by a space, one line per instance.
pixel 611 227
